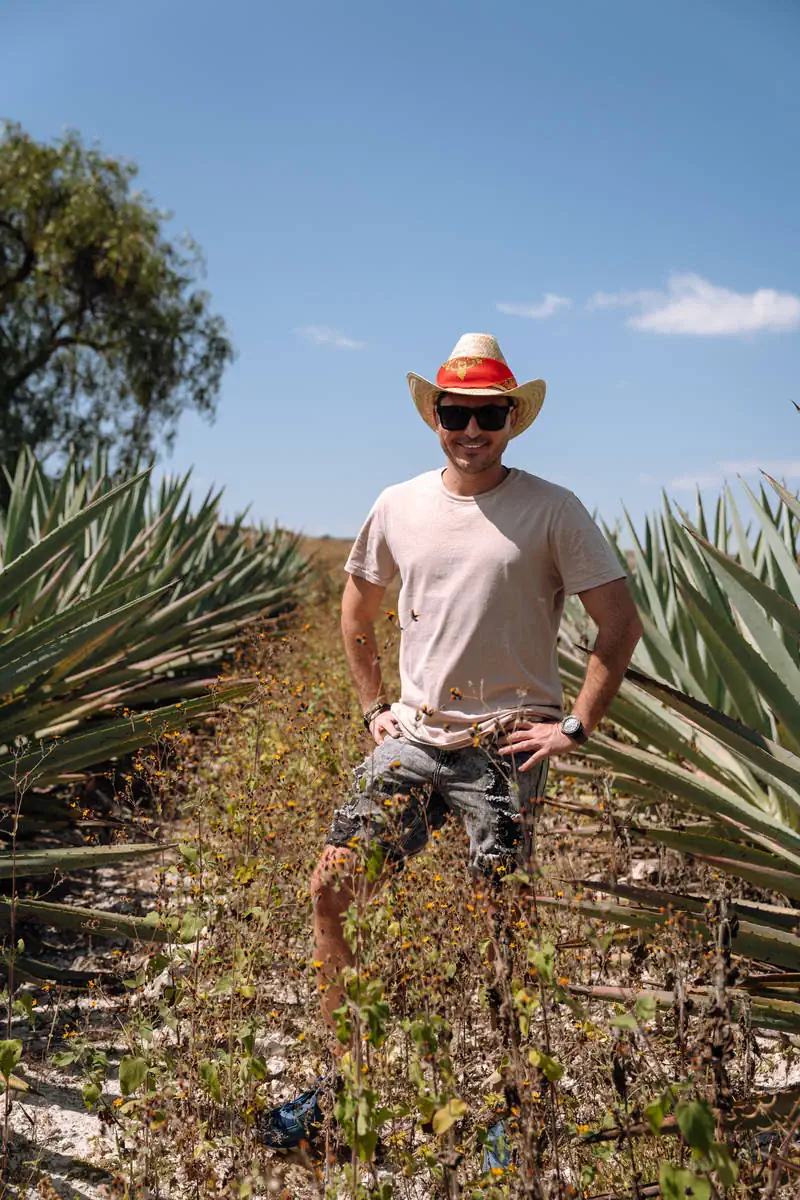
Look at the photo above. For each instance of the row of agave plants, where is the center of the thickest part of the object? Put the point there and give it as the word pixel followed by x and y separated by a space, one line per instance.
pixel 119 604
pixel 710 721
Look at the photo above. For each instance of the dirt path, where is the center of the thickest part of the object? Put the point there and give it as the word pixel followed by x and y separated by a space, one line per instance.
pixel 57 1146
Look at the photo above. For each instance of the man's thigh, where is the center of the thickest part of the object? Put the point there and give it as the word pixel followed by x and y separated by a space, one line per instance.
pixel 391 802
pixel 494 799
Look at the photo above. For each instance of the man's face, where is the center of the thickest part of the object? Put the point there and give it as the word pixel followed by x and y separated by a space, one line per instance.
pixel 473 450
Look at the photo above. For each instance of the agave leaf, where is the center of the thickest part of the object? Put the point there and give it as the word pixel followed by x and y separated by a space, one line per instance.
pixel 18 573
pixel 641 713
pixel 791 502
pixel 65 620
pixel 85 920
pixel 772 669
pixel 68 648
pixel 761 1012
pixel 644 576
pixel 764 756
pixel 770 982
pixel 663 652
pixel 787 614
pixel 749 938
pixel 732 656
pixel 770 878
pixel 71 858
pixel 19 510
pixel 703 841
pixel 33 969
pixel 770 916
pixel 109 740
pixel 708 795
pixel 700 841
pixel 785 562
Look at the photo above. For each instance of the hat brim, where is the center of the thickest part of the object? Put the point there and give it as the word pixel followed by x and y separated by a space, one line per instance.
pixel 528 398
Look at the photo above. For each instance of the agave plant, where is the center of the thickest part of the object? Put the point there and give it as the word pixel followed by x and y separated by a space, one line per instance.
pixel 710 716
pixel 116 597
pixel 119 604
pixel 694 589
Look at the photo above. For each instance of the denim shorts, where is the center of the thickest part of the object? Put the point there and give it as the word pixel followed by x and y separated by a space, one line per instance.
pixel 404 790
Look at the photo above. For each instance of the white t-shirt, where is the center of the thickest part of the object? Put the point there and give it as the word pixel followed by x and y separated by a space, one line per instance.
pixel 483 585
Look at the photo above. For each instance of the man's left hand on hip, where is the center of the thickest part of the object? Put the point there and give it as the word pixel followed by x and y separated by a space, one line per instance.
pixel 542 739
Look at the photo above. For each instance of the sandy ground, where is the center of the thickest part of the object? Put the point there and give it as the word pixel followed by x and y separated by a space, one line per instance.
pixel 54 1138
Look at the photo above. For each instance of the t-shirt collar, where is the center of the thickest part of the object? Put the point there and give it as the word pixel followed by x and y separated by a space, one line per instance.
pixel 482 496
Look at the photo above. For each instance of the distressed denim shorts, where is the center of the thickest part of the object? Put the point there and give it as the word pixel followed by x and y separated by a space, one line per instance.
pixel 404 790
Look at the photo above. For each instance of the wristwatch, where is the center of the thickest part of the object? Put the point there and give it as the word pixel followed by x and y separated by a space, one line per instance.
pixel 572 726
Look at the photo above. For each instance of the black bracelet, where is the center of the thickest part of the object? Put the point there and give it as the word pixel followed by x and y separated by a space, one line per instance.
pixel 378 707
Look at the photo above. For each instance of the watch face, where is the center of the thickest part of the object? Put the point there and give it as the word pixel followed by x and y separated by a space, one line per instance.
pixel 571 725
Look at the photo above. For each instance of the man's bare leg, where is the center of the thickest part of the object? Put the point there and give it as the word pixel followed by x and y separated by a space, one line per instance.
pixel 332 893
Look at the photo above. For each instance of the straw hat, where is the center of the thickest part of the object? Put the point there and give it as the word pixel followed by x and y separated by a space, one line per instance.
pixel 477 367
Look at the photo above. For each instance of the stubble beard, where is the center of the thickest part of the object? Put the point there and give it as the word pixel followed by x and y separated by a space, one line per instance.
pixel 476 466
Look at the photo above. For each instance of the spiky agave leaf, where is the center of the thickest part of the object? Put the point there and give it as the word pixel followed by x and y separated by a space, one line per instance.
pixel 71 546
pixel 93 921
pixel 768 1012
pixel 35 970
pixel 47 763
pixel 71 858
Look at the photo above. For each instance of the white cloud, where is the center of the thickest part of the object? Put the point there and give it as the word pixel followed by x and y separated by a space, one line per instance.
pixel 692 305
pixel 623 299
pixel 715 476
pixel 323 335
pixel 551 304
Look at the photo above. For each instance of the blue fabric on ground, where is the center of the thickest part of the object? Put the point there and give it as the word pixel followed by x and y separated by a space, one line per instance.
pixel 296 1121
pixel 495 1148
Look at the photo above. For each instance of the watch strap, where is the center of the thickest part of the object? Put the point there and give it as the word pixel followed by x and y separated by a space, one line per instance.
pixel 378 707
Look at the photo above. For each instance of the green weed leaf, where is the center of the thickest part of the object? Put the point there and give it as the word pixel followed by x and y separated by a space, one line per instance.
pixel 645 1009
pixel 191 925
pixel 132 1074
pixel 64 1058
pixel 189 853
pixel 10 1054
pixel 723 1164
pixel 551 1069
pixel 696 1123
pixel 209 1073
pixel 677 1184
pixel 91 1093
pixel 447 1116
pixel 655 1112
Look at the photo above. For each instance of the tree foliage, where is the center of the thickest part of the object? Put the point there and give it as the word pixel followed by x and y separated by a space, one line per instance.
pixel 103 332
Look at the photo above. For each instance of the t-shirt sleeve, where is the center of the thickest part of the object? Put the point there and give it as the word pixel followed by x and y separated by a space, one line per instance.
pixel 371 556
pixel 583 556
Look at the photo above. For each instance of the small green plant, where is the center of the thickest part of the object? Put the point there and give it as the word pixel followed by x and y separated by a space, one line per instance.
pixel 92 1063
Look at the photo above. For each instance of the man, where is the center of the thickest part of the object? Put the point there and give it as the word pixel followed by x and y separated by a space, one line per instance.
pixel 486 554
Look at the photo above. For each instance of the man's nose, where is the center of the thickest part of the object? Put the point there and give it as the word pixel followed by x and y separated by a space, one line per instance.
pixel 473 428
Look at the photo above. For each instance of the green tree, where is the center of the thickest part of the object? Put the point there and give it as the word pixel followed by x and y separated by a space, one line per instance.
pixel 103 332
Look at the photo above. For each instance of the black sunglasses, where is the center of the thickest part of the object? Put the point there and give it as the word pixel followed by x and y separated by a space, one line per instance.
pixel 458 416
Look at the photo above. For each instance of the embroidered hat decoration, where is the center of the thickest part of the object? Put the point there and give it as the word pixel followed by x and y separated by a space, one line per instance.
pixel 477 367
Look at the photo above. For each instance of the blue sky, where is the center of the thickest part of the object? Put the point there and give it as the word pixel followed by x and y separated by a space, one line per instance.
pixel 609 188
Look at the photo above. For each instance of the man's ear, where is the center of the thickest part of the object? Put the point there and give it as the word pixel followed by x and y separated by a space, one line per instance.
pixel 514 415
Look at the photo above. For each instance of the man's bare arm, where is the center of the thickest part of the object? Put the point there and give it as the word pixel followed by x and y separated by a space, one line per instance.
pixel 612 607
pixel 613 610
pixel 361 603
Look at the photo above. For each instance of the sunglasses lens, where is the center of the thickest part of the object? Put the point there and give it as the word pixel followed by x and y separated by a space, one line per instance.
pixel 490 417
pixel 454 416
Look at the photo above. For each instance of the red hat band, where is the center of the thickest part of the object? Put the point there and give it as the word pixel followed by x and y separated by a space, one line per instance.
pixel 459 374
